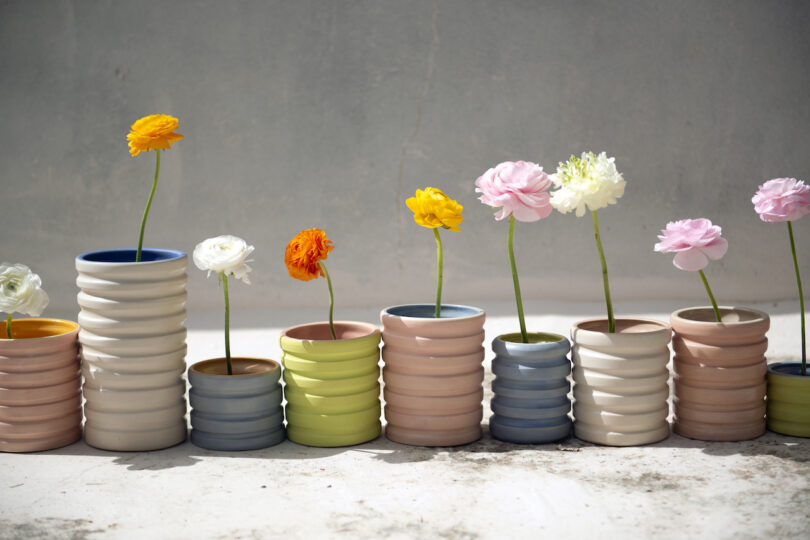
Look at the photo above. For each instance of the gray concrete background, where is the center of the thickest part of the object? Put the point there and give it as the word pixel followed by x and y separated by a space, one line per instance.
pixel 330 114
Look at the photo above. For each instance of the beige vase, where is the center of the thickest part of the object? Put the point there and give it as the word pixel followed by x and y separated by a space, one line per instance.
pixel 720 373
pixel 433 374
pixel 40 385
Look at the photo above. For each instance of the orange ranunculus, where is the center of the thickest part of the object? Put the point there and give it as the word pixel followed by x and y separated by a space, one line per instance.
pixel 151 132
pixel 303 253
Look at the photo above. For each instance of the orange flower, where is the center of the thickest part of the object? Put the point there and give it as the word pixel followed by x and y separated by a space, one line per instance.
pixel 303 253
pixel 151 132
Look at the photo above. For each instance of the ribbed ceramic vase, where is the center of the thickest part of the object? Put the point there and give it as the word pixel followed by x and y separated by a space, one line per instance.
pixel 433 374
pixel 241 411
pixel 40 385
pixel 720 371
pixel 133 348
pixel 789 399
pixel 620 381
pixel 332 385
pixel 531 388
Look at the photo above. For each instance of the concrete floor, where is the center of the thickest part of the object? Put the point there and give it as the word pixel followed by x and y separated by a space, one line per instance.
pixel 677 488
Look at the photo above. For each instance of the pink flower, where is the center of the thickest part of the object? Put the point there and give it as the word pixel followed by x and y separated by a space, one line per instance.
pixel 694 241
pixel 782 199
pixel 516 188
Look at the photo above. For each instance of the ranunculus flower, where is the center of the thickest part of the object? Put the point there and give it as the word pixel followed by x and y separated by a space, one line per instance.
pixel 432 208
pixel 694 242
pixel 224 254
pixel 305 251
pixel 153 132
pixel 21 290
pixel 517 188
pixel 782 199
pixel 588 181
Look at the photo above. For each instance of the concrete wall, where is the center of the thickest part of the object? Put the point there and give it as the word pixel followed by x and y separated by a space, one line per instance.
pixel 331 113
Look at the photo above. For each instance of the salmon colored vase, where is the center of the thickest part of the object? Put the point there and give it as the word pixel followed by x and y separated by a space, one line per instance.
pixel 40 385
pixel 433 374
pixel 332 385
pixel 720 371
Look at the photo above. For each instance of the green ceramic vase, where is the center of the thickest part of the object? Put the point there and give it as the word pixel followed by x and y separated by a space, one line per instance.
pixel 788 399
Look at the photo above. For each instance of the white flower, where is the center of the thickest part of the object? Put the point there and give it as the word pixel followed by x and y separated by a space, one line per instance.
pixel 20 290
pixel 224 254
pixel 591 181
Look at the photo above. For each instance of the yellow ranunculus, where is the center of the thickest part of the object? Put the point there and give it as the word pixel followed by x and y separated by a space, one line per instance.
pixel 432 208
pixel 152 132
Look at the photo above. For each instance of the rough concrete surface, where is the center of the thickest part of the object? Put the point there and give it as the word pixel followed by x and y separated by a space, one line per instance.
pixel 678 488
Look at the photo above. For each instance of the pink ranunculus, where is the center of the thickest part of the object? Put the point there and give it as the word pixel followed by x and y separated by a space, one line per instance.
pixel 782 199
pixel 517 188
pixel 694 241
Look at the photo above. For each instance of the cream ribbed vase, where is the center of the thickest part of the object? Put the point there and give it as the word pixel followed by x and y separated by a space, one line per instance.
pixel 133 348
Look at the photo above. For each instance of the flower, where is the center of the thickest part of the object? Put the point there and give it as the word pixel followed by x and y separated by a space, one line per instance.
pixel 20 290
pixel 782 199
pixel 224 254
pixel 151 132
pixel 517 188
pixel 432 208
pixel 590 180
pixel 303 253
pixel 694 241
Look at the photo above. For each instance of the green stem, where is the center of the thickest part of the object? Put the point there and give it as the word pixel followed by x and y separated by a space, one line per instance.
pixel 611 320
pixel 8 326
pixel 439 259
pixel 148 204
pixel 518 299
pixel 801 298
pixel 711 296
pixel 224 278
pixel 331 300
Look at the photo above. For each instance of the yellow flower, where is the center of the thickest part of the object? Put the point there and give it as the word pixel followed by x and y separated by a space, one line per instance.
pixel 432 208
pixel 151 132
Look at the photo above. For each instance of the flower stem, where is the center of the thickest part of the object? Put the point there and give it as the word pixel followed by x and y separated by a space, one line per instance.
pixel 711 296
pixel 8 326
pixel 801 298
pixel 518 299
pixel 331 300
pixel 224 277
pixel 611 320
pixel 148 204
pixel 440 260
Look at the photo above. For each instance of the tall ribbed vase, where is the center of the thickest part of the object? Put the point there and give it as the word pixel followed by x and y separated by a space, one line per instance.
pixel 133 348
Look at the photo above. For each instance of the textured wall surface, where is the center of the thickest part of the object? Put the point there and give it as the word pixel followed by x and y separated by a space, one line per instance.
pixel 330 114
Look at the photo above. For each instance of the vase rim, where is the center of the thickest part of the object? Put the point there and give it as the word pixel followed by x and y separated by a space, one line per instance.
pixel 682 314
pixel 125 256
pixel 70 327
pixel 361 325
pixel 473 311
pixel 197 367
pixel 784 369
pixel 660 326
pixel 561 339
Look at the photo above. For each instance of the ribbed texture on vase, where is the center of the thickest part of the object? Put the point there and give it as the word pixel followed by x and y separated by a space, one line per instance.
pixel 789 399
pixel 133 348
pixel 433 374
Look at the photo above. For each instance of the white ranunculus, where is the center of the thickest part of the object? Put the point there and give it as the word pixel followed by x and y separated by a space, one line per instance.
pixel 21 290
pixel 589 181
pixel 224 254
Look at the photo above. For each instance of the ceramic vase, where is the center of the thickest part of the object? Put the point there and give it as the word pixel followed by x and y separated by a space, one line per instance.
pixel 531 388
pixel 133 348
pixel 332 385
pixel 789 399
pixel 620 381
pixel 433 374
pixel 720 373
pixel 241 411
pixel 40 385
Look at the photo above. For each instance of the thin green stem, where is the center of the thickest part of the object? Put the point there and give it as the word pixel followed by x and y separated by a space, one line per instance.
pixel 8 326
pixel 611 320
pixel 518 299
pixel 801 298
pixel 711 296
pixel 331 300
pixel 440 262
pixel 224 278
pixel 148 204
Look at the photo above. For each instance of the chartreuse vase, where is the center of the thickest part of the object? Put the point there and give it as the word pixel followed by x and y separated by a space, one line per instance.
pixel 789 399
pixel 332 385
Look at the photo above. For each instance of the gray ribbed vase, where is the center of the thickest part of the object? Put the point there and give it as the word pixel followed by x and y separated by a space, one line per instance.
pixel 531 402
